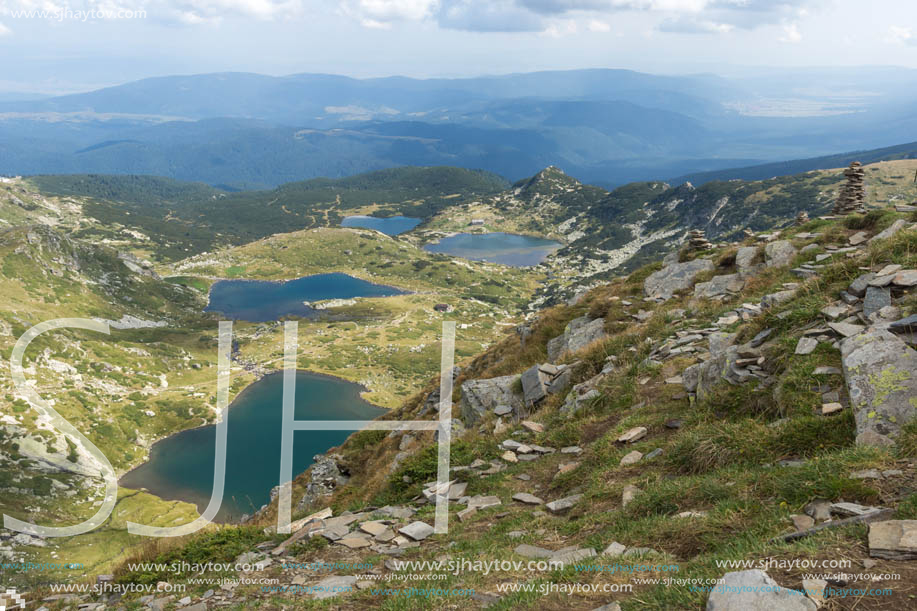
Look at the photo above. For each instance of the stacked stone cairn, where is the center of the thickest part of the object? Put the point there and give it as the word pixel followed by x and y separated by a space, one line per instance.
pixel 852 198
pixel 698 241
pixel 802 218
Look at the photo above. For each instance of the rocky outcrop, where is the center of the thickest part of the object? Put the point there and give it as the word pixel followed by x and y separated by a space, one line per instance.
pixel 579 333
pixel 674 277
pixel 480 397
pixel 881 374
pixel 779 253
pixel 540 380
pixel 325 476
pixel 747 261
pixel 754 590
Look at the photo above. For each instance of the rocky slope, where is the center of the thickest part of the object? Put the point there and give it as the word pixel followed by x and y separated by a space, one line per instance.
pixel 751 402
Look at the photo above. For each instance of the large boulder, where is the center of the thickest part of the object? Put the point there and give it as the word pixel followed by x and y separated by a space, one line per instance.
pixel 881 374
pixel 674 277
pixel 754 590
pixel 579 333
pixel 480 397
pixel 779 254
pixel 746 258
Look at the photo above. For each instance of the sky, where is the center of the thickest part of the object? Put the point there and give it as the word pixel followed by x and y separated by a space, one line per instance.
pixel 60 46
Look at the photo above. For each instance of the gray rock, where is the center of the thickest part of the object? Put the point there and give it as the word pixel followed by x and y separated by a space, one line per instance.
pixel 760 338
pixel 572 556
pixel 561 381
pixel 579 333
pixel 858 286
pixel 806 345
pixel 754 590
pixel 418 531
pixel 889 231
pixel 527 499
pixel 564 504
pixel 881 375
pixel 745 258
pixel 775 299
pixel 533 385
pixel 779 253
pixel 719 285
pixel 905 325
pixel 609 607
pixel 614 549
pixel 532 551
pixel 690 377
pixel 664 283
pixel 876 299
pixel 331 587
pixel 893 539
pixel 719 341
pixel 480 397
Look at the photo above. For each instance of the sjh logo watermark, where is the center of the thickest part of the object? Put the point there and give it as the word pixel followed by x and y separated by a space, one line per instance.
pixel 11 600
pixel 443 426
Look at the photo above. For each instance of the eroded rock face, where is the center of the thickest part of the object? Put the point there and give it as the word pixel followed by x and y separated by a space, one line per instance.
pixel 674 277
pixel 745 260
pixel 881 374
pixel 579 333
pixel 754 590
pixel 482 396
pixel 325 475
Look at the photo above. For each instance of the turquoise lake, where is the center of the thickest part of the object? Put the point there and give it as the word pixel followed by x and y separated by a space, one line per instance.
pixel 262 301
pixel 181 466
pixel 392 225
pixel 505 248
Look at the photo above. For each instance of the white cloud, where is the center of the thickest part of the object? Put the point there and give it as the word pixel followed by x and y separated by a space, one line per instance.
pixel 900 35
pixel 5 31
pixel 596 25
pixel 691 25
pixel 561 28
pixel 790 33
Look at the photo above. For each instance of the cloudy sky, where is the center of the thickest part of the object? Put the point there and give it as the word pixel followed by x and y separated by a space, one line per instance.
pixel 55 46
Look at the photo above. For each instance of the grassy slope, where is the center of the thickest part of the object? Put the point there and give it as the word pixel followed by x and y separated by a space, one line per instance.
pixel 723 461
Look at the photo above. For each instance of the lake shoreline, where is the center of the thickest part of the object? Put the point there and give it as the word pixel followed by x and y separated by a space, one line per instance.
pixel 234 402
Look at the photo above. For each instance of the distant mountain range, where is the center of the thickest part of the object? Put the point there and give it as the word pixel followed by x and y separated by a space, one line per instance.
pixel 604 126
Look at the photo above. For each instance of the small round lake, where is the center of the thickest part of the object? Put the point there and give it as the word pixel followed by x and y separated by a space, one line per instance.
pixel 392 225
pixel 181 466
pixel 505 248
pixel 262 301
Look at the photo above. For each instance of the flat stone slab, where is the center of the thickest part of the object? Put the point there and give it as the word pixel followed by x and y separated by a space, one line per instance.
pixel 846 329
pixel 806 345
pixel 754 590
pixel 572 556
pixel 631 458
pixel 483 502
pixel 330 587
pixel 563 505
pixel 528 499
pixel 779 253
pixel 418 531
pixel 632 435
pixel 906 278
pixel 533 551
pixel 893 540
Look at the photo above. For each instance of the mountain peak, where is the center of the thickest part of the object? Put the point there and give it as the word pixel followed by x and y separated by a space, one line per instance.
pixel 550 181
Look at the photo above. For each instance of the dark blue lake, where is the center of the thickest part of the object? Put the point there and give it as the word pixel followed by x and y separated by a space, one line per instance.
pixel 261 301
pixel 392 225
pixel 505 248
pixel 181 466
